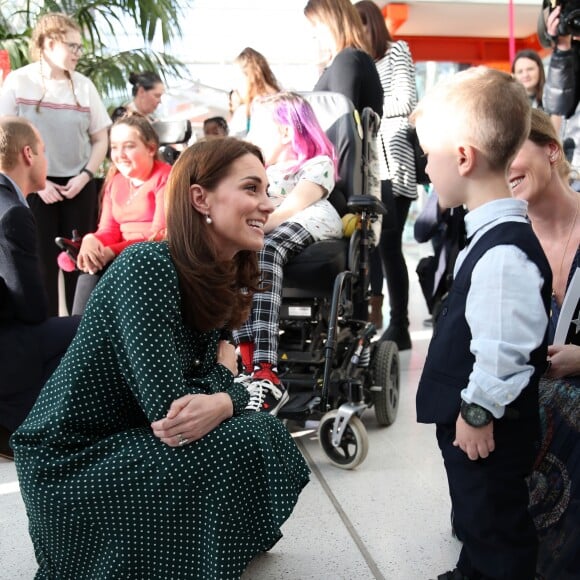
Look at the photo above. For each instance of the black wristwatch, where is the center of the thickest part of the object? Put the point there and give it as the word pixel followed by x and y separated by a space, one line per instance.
pixel 475 415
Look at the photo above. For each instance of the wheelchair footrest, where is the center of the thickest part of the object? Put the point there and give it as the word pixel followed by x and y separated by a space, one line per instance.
pixel 299 405
pixel 299 382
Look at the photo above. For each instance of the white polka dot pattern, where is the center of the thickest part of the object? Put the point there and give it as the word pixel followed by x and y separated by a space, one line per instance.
pixel 105 498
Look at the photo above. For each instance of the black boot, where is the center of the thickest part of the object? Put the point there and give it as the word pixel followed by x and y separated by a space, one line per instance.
pixel 398 334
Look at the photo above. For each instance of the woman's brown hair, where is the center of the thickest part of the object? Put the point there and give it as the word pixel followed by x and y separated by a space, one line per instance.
pixel 215 293
pixel 379 37
pixel 342 20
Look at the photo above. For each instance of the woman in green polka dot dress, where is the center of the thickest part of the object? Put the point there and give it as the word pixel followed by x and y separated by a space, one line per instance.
pixel 139 459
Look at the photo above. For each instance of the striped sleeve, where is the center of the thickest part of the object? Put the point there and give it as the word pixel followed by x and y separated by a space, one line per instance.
pixel 397 73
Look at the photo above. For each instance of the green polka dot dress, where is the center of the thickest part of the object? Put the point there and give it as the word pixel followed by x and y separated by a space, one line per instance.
pixel 105 498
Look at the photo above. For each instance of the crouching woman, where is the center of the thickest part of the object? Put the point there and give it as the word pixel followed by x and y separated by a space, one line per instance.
pixel 139 459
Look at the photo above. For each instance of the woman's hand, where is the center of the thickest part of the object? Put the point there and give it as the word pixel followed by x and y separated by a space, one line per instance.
pixel 75 185
pixel 192 417
pixel 93 256
pixel 226 356
pixel 564 361
pixel 50 193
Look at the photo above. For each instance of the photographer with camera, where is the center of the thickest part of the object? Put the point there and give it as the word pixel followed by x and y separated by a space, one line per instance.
pixel 559 27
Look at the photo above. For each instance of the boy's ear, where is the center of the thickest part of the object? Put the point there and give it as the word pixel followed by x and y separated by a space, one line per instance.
pixel 466 155
pixel 198 197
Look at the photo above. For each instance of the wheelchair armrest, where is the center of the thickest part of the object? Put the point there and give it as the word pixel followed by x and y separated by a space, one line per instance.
pixel 360 203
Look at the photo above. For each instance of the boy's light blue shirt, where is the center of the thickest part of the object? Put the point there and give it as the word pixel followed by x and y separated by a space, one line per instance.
pixel 504 311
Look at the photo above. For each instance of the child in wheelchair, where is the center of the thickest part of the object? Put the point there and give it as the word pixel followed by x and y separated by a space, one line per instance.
pixel 301 166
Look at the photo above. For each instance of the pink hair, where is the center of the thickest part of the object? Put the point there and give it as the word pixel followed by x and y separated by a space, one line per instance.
pixel 308 138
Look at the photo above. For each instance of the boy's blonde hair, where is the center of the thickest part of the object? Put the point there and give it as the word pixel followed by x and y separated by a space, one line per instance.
pixel 484 106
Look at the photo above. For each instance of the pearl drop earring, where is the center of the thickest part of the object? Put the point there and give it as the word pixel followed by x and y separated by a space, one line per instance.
pixel 207 219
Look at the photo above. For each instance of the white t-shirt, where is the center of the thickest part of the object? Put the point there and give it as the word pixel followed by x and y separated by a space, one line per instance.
pixel 65 126
pixel 320 219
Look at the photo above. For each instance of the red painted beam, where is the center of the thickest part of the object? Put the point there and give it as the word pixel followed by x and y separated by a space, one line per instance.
pixel 467 50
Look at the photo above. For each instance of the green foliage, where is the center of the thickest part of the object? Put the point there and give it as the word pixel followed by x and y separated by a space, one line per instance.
pixel 100 19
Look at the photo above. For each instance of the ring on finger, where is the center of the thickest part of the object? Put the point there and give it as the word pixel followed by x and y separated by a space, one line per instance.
pixel 181 440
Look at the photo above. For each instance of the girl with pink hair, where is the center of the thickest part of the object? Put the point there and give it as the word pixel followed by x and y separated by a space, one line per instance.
pixel 301 167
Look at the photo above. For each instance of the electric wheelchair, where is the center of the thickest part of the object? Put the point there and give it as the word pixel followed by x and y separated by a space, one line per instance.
pixel 326 360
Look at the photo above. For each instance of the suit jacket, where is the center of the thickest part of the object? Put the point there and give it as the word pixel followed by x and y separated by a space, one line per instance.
pixel 22 295
pixel 31 344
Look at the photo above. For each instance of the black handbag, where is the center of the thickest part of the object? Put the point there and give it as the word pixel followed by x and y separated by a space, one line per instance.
pixel 420 158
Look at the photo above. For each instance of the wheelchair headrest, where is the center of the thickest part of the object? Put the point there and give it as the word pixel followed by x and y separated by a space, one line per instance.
pixel 339 119
pixel 170 132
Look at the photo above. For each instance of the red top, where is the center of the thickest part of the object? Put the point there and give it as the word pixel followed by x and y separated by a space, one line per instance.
pixel 130 215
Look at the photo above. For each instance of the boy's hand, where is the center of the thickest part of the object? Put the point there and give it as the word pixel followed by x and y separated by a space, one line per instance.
pixel 476 442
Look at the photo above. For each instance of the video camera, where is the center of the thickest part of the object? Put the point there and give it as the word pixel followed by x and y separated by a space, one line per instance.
pixel 569 19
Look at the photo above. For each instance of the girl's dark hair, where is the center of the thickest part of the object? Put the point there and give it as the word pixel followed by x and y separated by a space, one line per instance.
pixel 533 55
pixel 146 79
pixel 379 37
pixel 219 121
pixel 215 294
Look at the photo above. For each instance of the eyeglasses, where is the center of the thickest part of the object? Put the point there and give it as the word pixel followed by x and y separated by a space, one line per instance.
pixel 74 47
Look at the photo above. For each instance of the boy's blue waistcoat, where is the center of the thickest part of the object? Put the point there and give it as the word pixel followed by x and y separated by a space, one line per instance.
pixel 449 360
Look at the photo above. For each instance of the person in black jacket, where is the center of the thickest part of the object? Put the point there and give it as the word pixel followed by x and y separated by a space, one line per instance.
pixel 31 344
pixel 562 88
pixel 349 67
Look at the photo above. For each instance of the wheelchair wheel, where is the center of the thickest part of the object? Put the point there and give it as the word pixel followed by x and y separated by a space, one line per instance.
pixel 385 366
pixel 354 444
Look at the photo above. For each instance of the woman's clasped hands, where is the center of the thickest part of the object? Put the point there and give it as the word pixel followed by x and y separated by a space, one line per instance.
pixel 191 417
pixel 53 193
pixel 93 255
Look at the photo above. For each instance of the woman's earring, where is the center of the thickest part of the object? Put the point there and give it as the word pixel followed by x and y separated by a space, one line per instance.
pixel 207 219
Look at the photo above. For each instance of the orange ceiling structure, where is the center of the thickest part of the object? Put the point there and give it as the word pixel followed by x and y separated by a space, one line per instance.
pixel 472 50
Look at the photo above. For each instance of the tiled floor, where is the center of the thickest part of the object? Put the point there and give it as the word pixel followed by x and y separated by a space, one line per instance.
pixel 388 519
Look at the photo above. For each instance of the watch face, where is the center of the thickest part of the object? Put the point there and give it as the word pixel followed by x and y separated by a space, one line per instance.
pixel 475 415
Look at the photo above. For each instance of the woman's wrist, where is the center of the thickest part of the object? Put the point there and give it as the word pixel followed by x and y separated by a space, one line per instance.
pixel 228 405
pixel 88 172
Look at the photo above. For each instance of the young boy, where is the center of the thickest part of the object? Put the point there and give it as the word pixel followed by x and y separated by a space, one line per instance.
pixel 480 380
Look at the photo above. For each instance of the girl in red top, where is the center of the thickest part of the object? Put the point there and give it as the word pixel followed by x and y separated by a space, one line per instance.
pixel 133 208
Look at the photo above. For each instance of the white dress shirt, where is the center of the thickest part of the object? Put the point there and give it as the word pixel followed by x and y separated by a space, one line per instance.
pixel 504 310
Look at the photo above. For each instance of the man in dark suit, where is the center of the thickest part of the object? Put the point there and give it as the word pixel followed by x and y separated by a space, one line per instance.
pixel 31 344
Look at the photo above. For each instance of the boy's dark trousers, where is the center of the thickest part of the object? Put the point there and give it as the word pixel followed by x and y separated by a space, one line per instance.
pixel 490 502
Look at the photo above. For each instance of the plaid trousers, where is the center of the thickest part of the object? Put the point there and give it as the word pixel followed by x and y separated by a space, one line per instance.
pixel 261 328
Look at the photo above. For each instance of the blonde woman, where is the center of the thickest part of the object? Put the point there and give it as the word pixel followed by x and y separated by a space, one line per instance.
pixel 69 114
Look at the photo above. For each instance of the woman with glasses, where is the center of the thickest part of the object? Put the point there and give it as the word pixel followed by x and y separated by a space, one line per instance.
pixel 69 114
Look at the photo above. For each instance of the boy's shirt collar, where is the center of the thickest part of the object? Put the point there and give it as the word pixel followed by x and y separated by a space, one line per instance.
pixel 493 210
